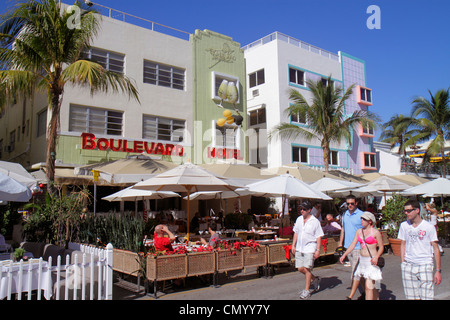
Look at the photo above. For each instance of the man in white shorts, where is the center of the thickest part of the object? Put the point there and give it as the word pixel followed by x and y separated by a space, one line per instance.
pixel 419 244
pixel 306 247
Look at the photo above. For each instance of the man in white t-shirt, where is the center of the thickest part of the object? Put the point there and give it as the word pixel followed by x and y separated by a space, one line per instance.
pixel 419 245
pixel 306 244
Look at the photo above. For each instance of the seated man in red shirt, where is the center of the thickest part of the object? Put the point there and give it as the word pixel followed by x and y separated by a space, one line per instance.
pixel 161 242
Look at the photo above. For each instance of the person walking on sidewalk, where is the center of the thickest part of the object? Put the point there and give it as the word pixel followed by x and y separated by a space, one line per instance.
pixel 306 244
pixel 369 238
pixel 419 245
pixel 351 222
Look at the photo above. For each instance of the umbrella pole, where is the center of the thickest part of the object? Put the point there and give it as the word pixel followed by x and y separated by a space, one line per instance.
pixel 443 217
pixel 187 211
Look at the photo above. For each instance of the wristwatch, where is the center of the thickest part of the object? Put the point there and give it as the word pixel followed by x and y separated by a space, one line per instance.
pixel 438 270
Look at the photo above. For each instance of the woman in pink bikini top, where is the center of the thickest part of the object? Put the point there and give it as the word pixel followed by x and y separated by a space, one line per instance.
pixel 368 242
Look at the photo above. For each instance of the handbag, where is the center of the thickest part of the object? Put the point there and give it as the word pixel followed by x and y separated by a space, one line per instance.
pixel 381 261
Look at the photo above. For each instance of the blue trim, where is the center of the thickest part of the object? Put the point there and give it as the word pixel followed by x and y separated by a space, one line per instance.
pixel 293 84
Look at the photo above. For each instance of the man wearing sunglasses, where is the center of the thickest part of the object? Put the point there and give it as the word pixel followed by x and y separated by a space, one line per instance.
pixel 351 222
pixel 419 245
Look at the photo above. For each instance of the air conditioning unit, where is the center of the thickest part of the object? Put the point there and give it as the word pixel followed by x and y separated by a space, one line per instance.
pixel 255 93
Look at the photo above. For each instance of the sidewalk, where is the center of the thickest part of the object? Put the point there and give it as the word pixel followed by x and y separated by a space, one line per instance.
pixel 287 282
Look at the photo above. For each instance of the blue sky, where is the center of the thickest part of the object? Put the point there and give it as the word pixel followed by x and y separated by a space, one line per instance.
pixel 406 57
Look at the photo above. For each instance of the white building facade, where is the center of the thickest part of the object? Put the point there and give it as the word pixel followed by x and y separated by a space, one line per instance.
pixel 278 62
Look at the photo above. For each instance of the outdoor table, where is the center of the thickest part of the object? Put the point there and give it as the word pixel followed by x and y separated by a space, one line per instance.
pixel 45 281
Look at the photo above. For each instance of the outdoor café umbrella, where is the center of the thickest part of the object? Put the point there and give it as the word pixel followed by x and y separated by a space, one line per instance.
pixel 330 184
pixel 187 178
pixel 439 187
pixel 130 194
pixel 383 184
pixel 286 186
pixel 12 190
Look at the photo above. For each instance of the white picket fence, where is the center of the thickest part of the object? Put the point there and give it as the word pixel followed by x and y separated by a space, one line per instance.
pixel 89 276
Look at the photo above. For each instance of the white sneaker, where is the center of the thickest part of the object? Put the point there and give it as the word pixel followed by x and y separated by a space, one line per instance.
pixel 305 294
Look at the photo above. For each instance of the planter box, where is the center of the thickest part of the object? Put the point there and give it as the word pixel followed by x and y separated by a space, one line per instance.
pixel 201 263
pixel 254 258
pixel 166 267
pixel 330 247
pixel 228 260
pixel 125 261
pixel 276 253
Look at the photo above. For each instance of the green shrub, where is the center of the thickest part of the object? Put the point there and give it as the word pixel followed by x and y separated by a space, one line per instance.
pixel 393 214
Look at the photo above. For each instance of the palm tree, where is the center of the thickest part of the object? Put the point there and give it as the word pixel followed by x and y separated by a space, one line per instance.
pixel 326 116
pixel 397 131
pixel 435 122
pixel 41 49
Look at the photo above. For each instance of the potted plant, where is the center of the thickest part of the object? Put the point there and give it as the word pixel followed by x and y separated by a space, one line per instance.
pixel 392 217
pixel 19 255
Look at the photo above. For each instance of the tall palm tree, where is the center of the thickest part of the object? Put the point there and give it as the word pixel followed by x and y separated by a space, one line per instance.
pixel 41 49
pixel 435 122
pixel 327 120
pixel 399 130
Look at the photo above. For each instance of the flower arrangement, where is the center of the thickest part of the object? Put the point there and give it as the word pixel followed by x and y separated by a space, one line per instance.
pixel 221 245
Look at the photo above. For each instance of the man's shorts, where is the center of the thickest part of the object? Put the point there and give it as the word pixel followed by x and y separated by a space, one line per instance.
pixel 418 281
pixel 305 260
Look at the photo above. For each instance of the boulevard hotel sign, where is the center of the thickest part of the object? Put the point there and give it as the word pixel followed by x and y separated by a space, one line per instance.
pixel 90 142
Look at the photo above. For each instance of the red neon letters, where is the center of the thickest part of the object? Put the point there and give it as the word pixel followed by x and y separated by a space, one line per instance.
pixel 121 145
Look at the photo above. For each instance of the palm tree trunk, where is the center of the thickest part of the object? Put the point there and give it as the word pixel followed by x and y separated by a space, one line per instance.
pixel 326 155
pixel 52 137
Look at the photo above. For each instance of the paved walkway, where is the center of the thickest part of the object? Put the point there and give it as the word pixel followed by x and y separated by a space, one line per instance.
pixel 287 282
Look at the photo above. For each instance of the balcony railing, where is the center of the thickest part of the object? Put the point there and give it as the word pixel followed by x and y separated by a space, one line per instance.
pixel 298 43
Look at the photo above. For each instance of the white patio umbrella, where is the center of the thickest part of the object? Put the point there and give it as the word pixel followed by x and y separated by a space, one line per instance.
pixel 18 173
pixel 383 184
pixel 439 187
pixel 208 195
pixel 286 185
pixel 330 184
pixel 12 190
pixel 187 178
pixel 129 194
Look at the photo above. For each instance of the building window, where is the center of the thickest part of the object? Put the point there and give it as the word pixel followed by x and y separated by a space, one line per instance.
pixel 1 148
pixel 367 130
pixel 325 82
pixel 369 160
pixel 333 158
pixel 95 120
pixel 41 123
pixel 364 95
pixel 164 75
pixel 257 116
pixel 300 154
pixel 298 118
pixel 296 76
pixel 256 78
pixel 111 61
pixel 165 129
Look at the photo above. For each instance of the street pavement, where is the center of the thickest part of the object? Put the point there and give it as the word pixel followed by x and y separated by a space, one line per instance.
pixel 286 284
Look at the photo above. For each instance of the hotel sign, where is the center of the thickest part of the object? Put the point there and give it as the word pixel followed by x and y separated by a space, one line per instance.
pixel 90 142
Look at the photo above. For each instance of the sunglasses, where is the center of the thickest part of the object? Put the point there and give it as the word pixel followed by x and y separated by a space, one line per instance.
pixel 409 210
pixel 351 203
